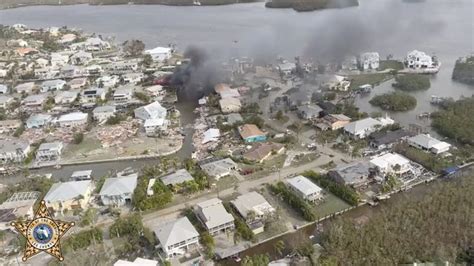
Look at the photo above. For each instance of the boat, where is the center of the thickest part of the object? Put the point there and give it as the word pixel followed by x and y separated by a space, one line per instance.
pixel 196 3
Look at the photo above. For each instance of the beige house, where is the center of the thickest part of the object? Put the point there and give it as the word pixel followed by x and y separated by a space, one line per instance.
pixel 69 195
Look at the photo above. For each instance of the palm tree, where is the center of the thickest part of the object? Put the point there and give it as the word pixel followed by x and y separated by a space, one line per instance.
pixel 279 247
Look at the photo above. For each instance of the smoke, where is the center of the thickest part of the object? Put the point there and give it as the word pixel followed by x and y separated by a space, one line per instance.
pixel 197 78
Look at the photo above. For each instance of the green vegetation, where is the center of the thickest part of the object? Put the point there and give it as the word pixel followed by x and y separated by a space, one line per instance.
pixel 133 48
pixel 464 70
pixel 206 240
pixel 412 82
pixel 256 260
pixel 77 138
pixel 351 110
pixel 428 160
pixel 297 203
pixel 345 193
pixel 310 5
pixel 19 131
pixel 89 217
pixel 99 183
pixel 115 120
pixel 391 64
pixel 242 229
pixel 200 177
pixel 162 195
pixel 436 227
pixel 83 239
pixel 142 97
pixel 372 79
pixel 128 226
pixel 395 101
pixel 40 184
pixel 456 121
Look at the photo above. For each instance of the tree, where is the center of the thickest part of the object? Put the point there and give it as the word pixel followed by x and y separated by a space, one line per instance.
pixel 78 138
pixel 395 101
pixel 133 48
pixel 279 247
pixel 147 60
pixel 256 260
pixel 412 82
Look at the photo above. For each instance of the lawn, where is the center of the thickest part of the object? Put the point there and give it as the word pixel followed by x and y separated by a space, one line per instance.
pixel 391 64
pixel 331 204
pixel 372 79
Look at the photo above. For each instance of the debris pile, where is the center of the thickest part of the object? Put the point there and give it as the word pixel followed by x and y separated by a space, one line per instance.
pixel 116 135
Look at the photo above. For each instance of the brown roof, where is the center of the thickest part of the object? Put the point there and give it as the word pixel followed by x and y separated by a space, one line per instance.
pixel 218 88
pixel 249 130
pixel 261 150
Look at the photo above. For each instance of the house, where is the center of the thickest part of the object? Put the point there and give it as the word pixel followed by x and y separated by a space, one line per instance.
pixel 153 110
pixel 385 140
pixel 5 101
pixel 123 94
pixel 337 83
pixel 219 168
pixel 328 107
pixel 38 120
pixel 349 63
pixel 36 100
pixel 333 122
pixel 160 54
pixel 176 237
pixel 25 87
pixel 356 175
pixel 211 135
pixel 119 190
pixel 122 67
pixel 92 95
pixel 295 99
pixel 177 178
pixel 230 105
pixel 133 78
pixel 254 208
pixel 104 112
pixel 428 143
pixel 18 206
pixel 391 163
pixel 154 126
pixel 251 133
pixel 96 44
pixel 13 150
pixel 49 151
pixel 286 68
pixel 369 61
pixel 66 97
pixel 46 72
pixel 52 85
pixel 93 70
pixel 309 112
pixel 9 125
pixel 70 195
pixel 59 59
pixel 361 129
pixel 82 175
pixel 154 91
pixel 137 262
pixel 305 189
pixel 81 58
pixel 74 119
pixel 77 83
pixel 24 51
pixel 68 38
pixel 262 151
pixel 3 89
pixel 419 60
pixel 107 81
pixel 41 62
pixel 227 92
pixel 214 217
pixel 70 71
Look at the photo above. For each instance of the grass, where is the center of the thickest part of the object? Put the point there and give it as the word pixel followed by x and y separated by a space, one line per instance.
pixel 372 79
pixel 331 204
pixel 87 145
pixel 390 64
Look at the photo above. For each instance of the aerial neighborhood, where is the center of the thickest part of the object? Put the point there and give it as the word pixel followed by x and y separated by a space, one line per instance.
pixel 172 169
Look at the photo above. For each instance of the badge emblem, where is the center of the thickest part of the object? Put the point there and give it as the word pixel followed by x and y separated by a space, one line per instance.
pixel 43 233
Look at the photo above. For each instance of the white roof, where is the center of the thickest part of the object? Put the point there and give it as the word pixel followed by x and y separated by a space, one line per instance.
pixel 304 185
pixel 54 82
pixel 119 185
pixel 389 160
pixel 75 116
pixel 175 232
pixel 154 109
pixel 81 173
pixel 67 191
pixel 361 125
pixel 252 201
pixel 211 134
pixel 151 183
pixel 51 146
pixel 219 167
pixel 178 177
pixel 427 141
pixel 213 213
pixel 159 50
pixel 154 122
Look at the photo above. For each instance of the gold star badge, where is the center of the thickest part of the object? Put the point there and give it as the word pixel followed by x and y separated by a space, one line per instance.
pixel 43 233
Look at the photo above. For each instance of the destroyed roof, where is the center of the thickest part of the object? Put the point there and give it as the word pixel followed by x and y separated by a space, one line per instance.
pixel 67 191
pixel 175 232
pixel 72 117
pixel 104 109
pixel 250 130
pixel 234 118
pixel 10 146
pixel 119 185
pixel 352 172
pixel 211 134
pixel 5 99
pixel 381 138
pixel 252 201
pixel 154 122
pixel 177 177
